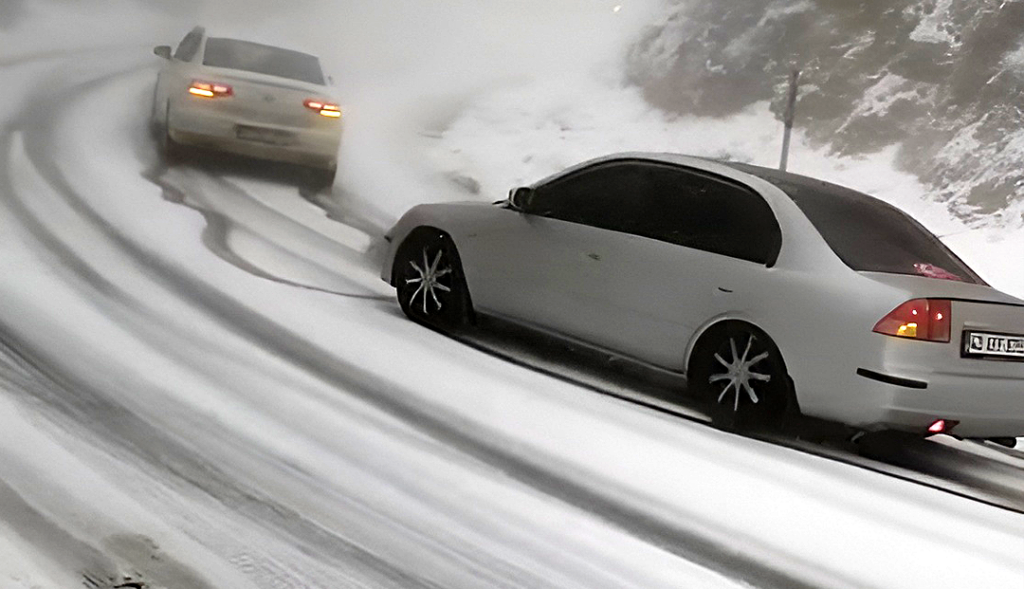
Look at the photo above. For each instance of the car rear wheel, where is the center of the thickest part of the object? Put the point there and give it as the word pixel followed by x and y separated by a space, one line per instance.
pixel 322 179
pixel 430 282
pixel 169 148
pixel 739 371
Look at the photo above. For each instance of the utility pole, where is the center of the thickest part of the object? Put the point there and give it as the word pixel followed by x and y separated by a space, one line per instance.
pixel 794 78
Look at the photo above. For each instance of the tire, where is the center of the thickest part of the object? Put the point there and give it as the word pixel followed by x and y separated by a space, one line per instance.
pixel 1010 443
pixel 322 178
pixel 430 282
pixel 740 373
pixel 169 148
pixel 156 128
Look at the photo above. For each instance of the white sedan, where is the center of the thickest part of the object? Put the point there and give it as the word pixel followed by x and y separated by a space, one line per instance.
pixel 246 98
pixel 773 294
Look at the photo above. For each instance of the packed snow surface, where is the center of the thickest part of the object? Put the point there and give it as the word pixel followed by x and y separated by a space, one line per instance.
pixel 204 383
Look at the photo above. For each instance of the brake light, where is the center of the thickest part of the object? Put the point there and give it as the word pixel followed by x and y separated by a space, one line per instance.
pixel 922 319
pixel 326 109
pixel 210 90
pixel 942 426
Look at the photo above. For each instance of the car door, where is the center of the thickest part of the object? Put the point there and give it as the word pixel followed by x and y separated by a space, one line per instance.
pixel 693 241
pixel 536 265
pixel 631 255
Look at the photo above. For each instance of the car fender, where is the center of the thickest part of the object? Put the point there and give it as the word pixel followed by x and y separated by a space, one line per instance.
pixel 414 218
pixel 824 333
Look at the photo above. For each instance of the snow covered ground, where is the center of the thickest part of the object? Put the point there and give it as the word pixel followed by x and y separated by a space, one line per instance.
pixel 203 382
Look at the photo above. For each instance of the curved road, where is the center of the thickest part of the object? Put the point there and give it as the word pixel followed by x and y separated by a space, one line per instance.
pixel 203 383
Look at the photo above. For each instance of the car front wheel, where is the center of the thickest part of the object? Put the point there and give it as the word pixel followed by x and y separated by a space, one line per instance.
pixel 431 286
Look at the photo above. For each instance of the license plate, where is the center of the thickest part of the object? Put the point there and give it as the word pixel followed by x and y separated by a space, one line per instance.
pixel 265 135
pixel 979 344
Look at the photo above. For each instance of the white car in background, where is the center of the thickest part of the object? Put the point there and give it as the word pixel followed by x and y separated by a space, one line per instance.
pixel 773 294
pixel 246 98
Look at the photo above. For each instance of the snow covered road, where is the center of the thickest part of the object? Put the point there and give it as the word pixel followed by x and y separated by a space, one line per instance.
pixel 205 384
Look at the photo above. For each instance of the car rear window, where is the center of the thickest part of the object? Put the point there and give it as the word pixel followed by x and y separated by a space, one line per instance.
pixel 867 234
pixel 263 59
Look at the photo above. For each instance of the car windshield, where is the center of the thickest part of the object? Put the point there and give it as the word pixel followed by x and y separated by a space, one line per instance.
pixel 867 234
pixel 263 59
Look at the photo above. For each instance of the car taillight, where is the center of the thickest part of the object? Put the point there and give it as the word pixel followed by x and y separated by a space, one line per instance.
pixel 942 426
pixel 922 319
pixel 326 109
pixel 210 90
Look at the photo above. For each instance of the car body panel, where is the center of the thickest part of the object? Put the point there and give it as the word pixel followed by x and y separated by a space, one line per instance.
pixel 587 285
pixel 651 301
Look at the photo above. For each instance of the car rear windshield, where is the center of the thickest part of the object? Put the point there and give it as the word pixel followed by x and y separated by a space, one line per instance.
pixel 867 234
pixel 263 59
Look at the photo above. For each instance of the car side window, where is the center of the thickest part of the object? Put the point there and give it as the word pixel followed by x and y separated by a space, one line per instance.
pixel 603 196
pixel 189 45
pixel 702 211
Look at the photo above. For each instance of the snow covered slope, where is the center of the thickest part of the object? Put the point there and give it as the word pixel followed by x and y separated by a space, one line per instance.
pixel 940 79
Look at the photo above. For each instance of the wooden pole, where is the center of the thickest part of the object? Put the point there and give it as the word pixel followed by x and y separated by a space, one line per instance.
pixel 794 78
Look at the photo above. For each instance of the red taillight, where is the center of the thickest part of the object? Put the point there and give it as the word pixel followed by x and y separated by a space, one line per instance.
pixel 210 90
pixel 326 109
pixel 941 426
pixel 922 319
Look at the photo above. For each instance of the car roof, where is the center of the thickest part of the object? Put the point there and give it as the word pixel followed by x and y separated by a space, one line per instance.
pixel 783 180
pixel 264 45
pixel 808 187
pixel 205 34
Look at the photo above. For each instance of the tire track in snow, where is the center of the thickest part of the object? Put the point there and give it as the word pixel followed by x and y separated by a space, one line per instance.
pixel 76 400
pixel 215 236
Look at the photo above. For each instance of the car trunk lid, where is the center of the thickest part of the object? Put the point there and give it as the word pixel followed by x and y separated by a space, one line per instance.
pixel 260 100
pixel 937 288
pixel 984 323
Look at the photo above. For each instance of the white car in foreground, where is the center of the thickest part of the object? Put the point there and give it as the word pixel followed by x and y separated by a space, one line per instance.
pixel 249 99
pixel 774 294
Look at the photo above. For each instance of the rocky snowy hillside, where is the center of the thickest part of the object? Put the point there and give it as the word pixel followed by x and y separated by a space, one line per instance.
pixel 943 79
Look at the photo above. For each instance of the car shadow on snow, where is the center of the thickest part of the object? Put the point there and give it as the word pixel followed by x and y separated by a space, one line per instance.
pixel 219 163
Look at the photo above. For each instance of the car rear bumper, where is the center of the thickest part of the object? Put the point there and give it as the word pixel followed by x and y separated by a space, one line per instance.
pixel 985 406
pixel 311 146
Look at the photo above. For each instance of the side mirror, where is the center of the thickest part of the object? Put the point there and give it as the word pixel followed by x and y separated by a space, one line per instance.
pixel 163 51
pixel 519 198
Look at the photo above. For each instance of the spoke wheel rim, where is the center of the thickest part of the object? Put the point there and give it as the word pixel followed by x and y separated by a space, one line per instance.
pixel 737 373
pixel 428 281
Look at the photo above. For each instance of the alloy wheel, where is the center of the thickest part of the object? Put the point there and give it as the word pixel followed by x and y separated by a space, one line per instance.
pixel 738 373
pixel 431 287
pixel 427 282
